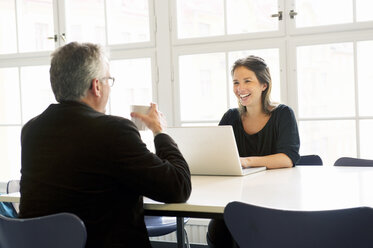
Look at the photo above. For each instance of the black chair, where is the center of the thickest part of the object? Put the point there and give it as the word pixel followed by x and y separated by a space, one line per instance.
pixel 58 231
pixel 309 160
pixel 253 226
pixel 347 161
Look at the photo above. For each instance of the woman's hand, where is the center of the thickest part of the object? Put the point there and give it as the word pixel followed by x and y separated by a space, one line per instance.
pixel 274 161
pixel 245 162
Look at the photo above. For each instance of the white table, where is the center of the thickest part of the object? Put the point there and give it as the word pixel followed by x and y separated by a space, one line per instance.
pixel 299 188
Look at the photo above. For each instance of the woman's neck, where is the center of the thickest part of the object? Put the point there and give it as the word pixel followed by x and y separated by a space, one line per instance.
pixel 254 112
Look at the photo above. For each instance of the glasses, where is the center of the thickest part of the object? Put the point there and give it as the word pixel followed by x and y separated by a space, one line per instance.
pixel 110 80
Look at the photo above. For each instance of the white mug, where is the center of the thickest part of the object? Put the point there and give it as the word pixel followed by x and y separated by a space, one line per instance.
pixel 142 109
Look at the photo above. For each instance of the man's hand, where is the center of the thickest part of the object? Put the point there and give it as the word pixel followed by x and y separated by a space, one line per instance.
pixel 154 119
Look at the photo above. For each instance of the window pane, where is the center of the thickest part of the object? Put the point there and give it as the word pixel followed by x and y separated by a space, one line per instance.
pixel 133 85
pixel 366 137
pixel 271 57
pixel 328 139
pixel 128 21
pixel 365 76
pixel 10 110
pixel 85 21
pixel 203 88
pixel 364 10
pixel 35 25
pixel 10 153
pixel 325 76
pixel 196 18
pixel 37 92
pixel 320 12
pixel 8 41
pixel 248 16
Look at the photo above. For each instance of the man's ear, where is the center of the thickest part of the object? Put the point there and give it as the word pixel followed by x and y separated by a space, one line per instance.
pixel 95 87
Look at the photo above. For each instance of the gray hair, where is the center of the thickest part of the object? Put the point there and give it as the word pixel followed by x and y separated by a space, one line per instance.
pixel 73 67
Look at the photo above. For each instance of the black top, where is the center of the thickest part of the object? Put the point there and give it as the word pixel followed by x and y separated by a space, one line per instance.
pixel 75 159
pixel 279 135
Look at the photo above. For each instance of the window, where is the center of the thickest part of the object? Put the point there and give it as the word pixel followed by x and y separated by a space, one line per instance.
pixel 35 25
pixel 214 18
pixel 30 29
pixel 326 75
pixel 179 54
pixel 322 73
pixel 319 13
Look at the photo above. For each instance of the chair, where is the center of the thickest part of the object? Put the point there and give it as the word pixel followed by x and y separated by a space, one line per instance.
pixel 11 187
pixel 58 231
pixel 346 161
pixel 253 226
pixel 160 225
pixel 309 160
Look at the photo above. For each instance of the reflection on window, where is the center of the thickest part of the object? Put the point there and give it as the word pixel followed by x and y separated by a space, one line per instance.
pixel 8 40
pixel 365 76
pixel 328 139
pixel 85 21
pixel 203 89
pixel 248 16
pixel 35 25
pixel 128 21
pixel 10 110
pixel 133 85
pixel 10 153
pixel 313 13
pixel 364 10
pixel 37 92
pixel 325 76
pixel 197 18
pixel 366 137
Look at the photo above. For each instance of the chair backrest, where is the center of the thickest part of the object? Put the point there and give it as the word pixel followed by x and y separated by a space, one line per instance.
pixel 309 160
pixel 58 231
pixel 347 161
pixel 11 187
pixel 253 226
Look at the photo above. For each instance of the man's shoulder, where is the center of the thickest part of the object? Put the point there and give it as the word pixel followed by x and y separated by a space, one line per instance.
pixel 116 126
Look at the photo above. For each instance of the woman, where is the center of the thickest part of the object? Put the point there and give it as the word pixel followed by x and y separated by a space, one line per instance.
pixel 266 134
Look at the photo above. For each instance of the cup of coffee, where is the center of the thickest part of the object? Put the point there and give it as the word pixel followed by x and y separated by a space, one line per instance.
pixel 142 109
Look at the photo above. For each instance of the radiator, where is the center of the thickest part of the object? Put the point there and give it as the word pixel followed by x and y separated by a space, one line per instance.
pixel 195 228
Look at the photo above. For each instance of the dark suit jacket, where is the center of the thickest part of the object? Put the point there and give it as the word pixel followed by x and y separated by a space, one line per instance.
pixel 75 159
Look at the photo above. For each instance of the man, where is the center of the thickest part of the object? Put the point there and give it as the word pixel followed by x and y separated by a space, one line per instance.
pixel 77 159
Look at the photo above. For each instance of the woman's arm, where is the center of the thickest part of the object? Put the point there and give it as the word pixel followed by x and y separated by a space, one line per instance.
pixel 274 161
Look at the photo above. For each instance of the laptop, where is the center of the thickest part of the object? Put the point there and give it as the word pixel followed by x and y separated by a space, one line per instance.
pixel 210 150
